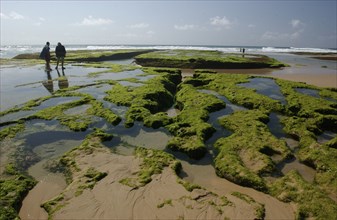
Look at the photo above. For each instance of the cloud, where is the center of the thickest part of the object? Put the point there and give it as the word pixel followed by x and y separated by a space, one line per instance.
pixel 91 21
pixel 185 27
pixel 150 32
pixel 3 16
pixel 139 26
pixel 13 15
pixel 251 25
pixel 221 22
pixel 295 23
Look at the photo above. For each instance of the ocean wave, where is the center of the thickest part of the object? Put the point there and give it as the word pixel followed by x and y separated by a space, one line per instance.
pixel 295 49
pixel 13 50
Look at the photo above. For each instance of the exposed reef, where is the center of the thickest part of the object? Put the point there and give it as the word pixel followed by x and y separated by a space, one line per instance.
pixel 244 150
pixel 205 60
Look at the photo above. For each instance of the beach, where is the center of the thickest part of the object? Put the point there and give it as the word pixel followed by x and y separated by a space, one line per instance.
pixel 92 119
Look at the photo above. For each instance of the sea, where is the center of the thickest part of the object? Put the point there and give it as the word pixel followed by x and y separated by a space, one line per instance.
pixel 10 51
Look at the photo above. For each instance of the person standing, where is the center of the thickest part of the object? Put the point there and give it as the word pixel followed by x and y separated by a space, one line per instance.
pixel 60 52
pixel 45 54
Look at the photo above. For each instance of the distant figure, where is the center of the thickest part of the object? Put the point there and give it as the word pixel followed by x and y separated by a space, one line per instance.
pixel 45 54
pixel 60 52
pixel 243 52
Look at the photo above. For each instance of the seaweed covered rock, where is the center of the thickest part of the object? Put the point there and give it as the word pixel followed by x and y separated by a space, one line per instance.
pixel 13 190
pixel 190 128
pixel 313 202
pixel 205 59
pixel 155 96
pixel 245 155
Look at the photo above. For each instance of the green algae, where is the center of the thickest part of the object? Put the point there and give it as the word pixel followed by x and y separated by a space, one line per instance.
pixel 98 109
pixel 304 105
pixel 11 131
pixel 155 96
pixel 190 128
pixel 53 205
pixel 14 186
pixel 227 85
pixel 102 55
pixel 245 155
pixel 74 122
pixel 308 117
pixel 260 211
pixel 89 180
pixel 153 162
pixel 312 201
pixel 205 59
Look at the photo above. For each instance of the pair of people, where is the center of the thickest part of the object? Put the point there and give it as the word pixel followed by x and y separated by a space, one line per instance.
pixel 60 52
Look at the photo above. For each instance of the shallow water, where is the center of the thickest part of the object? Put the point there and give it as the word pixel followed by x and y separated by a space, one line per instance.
pixel 266 87
pixel 306 172
pixel 214 117
pixel 326 136
pixel 121 62
pixel 303 64
pixel 138 136
pixel 314 93
pixel 55 101
pixel 16 116
pixel 21 84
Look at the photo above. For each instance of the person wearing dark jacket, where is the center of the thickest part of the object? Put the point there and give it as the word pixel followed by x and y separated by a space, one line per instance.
pixel 45 54
pixel 60 52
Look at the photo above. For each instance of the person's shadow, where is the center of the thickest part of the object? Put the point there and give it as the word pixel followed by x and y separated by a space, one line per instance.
pixel 48 84
pixel 62 80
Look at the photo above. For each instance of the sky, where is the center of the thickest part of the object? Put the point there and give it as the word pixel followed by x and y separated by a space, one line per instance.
pixel 284 23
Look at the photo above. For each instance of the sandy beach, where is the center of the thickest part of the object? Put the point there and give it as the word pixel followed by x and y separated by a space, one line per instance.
pixel 162 198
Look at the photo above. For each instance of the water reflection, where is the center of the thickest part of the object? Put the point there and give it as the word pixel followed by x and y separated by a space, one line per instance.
pixel 267 87
pixel 49 83
pixel 62 80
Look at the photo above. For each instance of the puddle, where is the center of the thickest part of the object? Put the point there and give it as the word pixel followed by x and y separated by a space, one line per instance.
pixel 19 85
pixel 121 62
pixel 306 172
pixel 118 110
pixel 266 87
pixel 275 126
pixel 314 93
pixel 56 101
pixel 97 91
pixel 78 110
pixel 138 135
pixel 325 137
pixel 132 84
pixel 172 112
pixel 120 75
pixel 49 138
pixel 214 116
pixel 15 116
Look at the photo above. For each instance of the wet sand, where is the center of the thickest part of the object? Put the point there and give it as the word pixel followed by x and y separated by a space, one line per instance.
pixel 321 80
pixel 162 198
